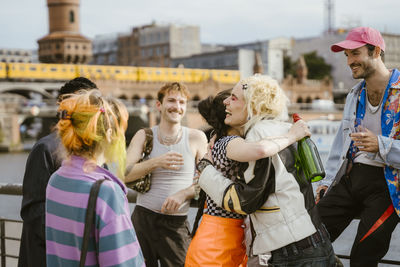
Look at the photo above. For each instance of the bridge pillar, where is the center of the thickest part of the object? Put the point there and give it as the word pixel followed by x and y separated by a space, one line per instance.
pixel 10 138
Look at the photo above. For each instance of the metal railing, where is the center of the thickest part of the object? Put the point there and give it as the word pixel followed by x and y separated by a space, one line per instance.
pixel 4 238
pixel 16 189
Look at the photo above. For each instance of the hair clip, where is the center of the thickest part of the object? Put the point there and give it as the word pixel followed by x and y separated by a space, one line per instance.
pixel 63 115
pixel 102 110
pixel 244 86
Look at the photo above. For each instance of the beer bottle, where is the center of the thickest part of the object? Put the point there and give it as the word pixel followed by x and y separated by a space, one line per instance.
pixel 309 157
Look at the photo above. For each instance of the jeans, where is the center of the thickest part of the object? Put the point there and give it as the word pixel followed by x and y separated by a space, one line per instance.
pixel 317 255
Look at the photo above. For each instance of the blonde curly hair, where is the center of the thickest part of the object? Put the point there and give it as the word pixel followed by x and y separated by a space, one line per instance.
pixel 264 99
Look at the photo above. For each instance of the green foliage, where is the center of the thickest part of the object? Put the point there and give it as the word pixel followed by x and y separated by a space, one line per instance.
pixel 289 67
pixel 318 69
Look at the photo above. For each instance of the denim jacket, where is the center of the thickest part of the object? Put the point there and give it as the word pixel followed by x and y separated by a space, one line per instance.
pixel 389 142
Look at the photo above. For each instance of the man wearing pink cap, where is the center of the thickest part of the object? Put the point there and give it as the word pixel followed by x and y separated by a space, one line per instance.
pixel 363 167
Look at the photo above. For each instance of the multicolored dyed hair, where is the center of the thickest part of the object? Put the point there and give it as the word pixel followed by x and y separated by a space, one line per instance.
pixel 90 125
pixel 264 99
pixel 169 87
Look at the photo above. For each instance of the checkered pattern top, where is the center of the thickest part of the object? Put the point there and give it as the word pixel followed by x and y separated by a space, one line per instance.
pixel 230 169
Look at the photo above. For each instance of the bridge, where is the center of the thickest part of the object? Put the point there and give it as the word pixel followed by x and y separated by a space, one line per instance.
pixel 48 90
pixel 23 100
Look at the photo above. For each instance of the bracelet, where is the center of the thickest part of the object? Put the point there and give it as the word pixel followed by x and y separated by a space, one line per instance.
pixel 203 163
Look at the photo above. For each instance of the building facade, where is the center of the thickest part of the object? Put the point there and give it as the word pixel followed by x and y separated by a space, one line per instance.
pixel 258 57
pixel 392 53
pixel 64 43
pixel 151 45
pixel 105 50
pixel 18 55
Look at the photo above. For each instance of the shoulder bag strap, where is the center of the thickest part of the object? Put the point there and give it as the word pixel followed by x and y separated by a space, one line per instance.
pixel 148 143
pixel 89 219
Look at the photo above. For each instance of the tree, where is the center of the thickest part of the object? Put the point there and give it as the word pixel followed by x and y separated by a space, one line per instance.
pixel 318 69
pixel 289 67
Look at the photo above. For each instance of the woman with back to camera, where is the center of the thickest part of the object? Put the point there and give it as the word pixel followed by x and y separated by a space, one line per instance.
pixel 91 130
pixel 219 238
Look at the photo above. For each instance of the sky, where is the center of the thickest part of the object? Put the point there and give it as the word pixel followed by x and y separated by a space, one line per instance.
pixel 23 22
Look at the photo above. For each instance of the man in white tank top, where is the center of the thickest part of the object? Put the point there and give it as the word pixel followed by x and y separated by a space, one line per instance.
pixel 160 216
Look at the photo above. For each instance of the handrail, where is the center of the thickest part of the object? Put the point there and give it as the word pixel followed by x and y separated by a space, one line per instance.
pixel 16 189
pixel 3 239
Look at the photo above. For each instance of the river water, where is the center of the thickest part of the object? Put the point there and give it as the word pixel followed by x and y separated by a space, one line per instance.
pixel 12 166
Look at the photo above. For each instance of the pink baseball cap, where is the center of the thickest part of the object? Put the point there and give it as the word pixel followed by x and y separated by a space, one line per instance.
pixel 358 37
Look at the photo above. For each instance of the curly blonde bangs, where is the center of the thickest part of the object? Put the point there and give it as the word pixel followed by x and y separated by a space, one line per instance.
pixel 264 99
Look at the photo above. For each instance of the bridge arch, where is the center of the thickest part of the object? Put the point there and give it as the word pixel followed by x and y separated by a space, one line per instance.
pixel 25 89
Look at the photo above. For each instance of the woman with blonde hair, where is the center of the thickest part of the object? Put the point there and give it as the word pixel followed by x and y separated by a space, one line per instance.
pixel 91 130
pixel 273 190
pixel 220 229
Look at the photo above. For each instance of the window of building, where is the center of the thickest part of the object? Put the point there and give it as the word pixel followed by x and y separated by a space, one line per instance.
pixel 71 16
pixel 57 46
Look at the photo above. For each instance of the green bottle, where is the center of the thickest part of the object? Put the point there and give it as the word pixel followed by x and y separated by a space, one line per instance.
pixel 309 157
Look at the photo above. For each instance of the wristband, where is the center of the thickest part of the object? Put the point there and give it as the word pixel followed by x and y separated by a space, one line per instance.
pixel 203 163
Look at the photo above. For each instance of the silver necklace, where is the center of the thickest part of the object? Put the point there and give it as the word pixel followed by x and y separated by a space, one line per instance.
pixel 168 140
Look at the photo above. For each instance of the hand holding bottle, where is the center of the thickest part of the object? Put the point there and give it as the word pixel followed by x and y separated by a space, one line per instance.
pixel 299 130
pixel 309 157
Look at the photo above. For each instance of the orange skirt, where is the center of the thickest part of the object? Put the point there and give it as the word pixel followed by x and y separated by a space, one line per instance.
pixel 218 242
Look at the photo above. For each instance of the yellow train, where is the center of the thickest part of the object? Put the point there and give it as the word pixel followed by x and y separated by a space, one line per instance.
pixel 64 72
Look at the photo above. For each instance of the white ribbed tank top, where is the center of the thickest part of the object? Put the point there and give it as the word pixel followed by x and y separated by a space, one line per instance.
pixel 167 182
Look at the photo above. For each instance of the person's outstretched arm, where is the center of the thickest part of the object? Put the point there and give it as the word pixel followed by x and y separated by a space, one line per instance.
pixel 267 146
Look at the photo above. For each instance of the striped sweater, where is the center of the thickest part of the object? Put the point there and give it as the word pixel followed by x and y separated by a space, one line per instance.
pixel 66 201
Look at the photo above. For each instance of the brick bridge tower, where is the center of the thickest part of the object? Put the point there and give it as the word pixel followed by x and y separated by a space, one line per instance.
pixel 64 43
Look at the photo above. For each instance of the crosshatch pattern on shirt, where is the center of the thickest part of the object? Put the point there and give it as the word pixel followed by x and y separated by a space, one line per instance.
pixel 230 169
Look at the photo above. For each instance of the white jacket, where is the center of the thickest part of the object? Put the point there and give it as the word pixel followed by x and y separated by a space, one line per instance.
pixel 283 219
